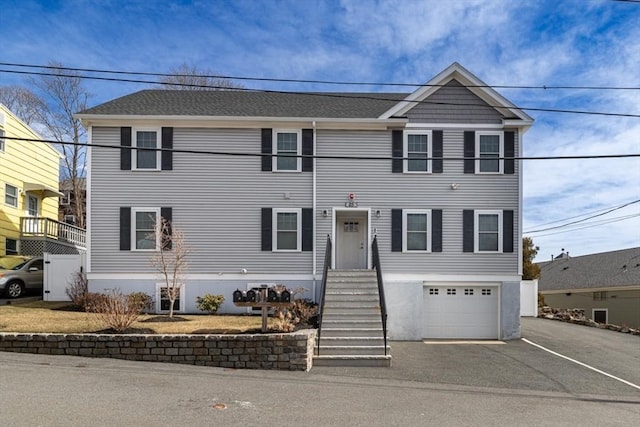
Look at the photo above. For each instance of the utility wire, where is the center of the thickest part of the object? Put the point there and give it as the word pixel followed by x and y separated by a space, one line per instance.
pixel 311 156
pixel 581 220
pixel 577 216
pixel 591 225
pixel 354 95
pixel 327 82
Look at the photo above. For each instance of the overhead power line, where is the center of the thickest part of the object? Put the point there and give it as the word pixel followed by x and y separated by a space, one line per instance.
pixel 313 81
pixel 577 216
pixel 310 156
pixel 592 225
pixel 582 220
pixel 354 95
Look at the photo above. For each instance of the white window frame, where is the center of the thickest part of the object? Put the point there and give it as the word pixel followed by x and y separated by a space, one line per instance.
pixel 66 199
pixel 134 211
pixel 16 196
pixel 606 314
pixel 274 227
pixel 476 230
pixel 2 140
pixel 500 154
pixel 134 151
pixel 274 165
pixel 405 150
pixel 158 298
pixel 27 208
pixel 405 240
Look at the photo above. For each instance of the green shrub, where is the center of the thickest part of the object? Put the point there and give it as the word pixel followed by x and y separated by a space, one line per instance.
pixel 209 303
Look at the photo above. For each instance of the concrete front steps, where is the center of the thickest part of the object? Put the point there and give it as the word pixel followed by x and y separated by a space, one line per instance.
pixel 351 333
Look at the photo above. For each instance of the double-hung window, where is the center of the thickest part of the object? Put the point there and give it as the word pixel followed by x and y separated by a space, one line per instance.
pixel 287 233
pixel 287 149
pixel 417 149
pixel 488 231
pixel 2 141
pixel 11 195
pixel 489 150
pixel 149 157
pixel 417 230
pixel 143 230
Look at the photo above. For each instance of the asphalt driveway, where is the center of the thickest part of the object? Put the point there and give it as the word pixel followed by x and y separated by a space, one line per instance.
pixel 518 365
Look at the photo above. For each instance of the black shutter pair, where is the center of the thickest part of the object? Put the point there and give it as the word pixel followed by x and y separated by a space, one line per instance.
pixel 267 229
pixel 470 152
pixel 468 230
pixel 267 150
pixel 396 230
pixel 125 228
pixel 166 163
pixel 397 151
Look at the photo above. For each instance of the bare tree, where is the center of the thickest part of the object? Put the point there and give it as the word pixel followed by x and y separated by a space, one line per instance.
pixel 189 77
pixel 28 106
pixel 64 95
pixel 170 261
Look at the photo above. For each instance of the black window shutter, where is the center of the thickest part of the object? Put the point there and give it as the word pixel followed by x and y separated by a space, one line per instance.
pixel 307 229
pixel 507 231
pixel 167 146
pixel 167 214
pixel 469 152
pixel 436 230
pixel 467 230
pixel 396 230
pixel 125 228
pixel 267 150
pixel 266 229
pixel 307 150
pixel 125 153
pixel 396 151
pixel 437 151
pixel 509 151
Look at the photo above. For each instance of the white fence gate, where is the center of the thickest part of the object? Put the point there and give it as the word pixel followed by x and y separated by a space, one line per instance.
pixel 59 272
pixel 529 298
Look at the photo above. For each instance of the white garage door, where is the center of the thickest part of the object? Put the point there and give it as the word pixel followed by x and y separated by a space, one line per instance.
pixel 461 312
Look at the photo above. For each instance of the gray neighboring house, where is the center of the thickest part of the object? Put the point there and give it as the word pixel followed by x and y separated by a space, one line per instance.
pixel 448 230
pixel 605 285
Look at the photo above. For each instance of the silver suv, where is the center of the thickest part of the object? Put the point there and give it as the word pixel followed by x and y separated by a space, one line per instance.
pixel 19 274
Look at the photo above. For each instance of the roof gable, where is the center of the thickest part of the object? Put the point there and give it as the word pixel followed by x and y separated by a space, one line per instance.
pixel 456 72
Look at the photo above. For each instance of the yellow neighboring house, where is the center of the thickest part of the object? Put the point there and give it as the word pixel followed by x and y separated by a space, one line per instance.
pixel 29 176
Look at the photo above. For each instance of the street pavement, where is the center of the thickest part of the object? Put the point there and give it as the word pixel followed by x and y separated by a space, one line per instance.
pixel 511 384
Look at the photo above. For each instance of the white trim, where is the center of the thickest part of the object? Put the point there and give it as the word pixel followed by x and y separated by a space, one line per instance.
pixel 591 290
pixel 16 196
pixel 213 276
pixel 274 229
pixel 405 150
pixel 464 126
pixel 476 230
pixel 606 314
pixel 518 228
pixel 88 198
pixel 426 212
pixel 500 135
pixel 134 145
pixel 134 245
pixel 334 219
pixel 181 297
pixel 274 146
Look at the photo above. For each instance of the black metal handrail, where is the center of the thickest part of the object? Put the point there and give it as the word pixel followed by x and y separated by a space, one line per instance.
pixel 323 286
pixel 383 303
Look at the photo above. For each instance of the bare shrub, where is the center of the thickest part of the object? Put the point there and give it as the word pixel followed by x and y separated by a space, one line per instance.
pixel 117 310
pixel 283 321
pixel 141 300
pixel 78 289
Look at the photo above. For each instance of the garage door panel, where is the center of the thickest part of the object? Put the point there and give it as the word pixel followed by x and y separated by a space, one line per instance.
pixel 450 312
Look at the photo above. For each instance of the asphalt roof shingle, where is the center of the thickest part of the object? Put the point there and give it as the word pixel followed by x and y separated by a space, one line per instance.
pixel 608 269
pixel 235 103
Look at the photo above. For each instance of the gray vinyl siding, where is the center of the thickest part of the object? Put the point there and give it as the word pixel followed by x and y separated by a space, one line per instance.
pixel 216 201
pixel 440 107
pixel 377 187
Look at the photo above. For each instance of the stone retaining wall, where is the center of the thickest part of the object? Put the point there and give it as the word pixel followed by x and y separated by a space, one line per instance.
pixel 292 351
pixel 577 316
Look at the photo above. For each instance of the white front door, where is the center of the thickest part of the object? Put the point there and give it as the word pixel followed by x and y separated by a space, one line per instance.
pixel 351 240
pixel 32 211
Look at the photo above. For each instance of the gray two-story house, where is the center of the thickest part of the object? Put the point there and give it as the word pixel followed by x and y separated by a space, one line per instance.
pixel 259 181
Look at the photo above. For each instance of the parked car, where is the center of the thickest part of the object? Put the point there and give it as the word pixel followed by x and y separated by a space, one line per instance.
pixel 19 274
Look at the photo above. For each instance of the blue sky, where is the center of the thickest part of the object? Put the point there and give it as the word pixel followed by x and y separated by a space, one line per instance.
pixel 503 42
